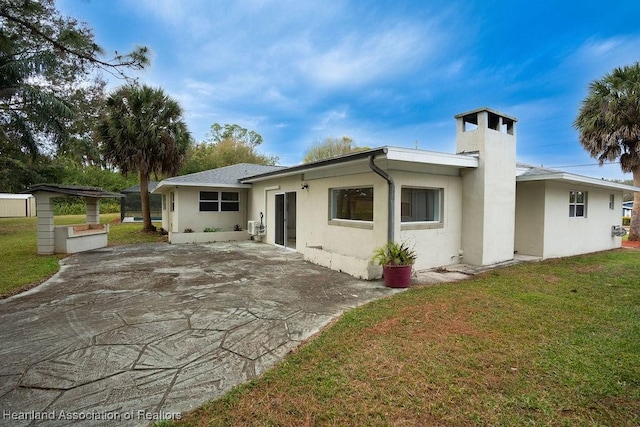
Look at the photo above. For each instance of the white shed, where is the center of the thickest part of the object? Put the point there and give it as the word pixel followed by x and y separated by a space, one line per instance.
pixel 17 205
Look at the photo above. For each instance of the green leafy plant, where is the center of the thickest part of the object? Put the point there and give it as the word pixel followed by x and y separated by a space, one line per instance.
pixel 188 230
pixel 212 229
pixel 393 253
pixel 626 220
pixel 237 227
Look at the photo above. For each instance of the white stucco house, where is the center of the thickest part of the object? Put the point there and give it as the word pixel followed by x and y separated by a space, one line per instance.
pixel 627 208
pixel 478 206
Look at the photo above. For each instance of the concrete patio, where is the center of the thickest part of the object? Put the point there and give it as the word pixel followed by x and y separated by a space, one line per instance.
pixel 136 333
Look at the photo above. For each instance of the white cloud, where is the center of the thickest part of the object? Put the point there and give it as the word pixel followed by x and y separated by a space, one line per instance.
pixel 329 118
pixel 595 57
pixel 361 58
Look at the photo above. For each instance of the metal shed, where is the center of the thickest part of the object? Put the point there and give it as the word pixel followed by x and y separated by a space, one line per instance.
pixel 17 205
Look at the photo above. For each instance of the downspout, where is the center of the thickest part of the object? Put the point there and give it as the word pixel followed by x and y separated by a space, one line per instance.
pixel 392 198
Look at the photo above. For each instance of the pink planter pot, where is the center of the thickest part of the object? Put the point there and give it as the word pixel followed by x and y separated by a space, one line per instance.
pixel 396 276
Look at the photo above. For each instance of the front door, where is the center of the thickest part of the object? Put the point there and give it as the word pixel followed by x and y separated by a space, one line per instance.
pixel 286 220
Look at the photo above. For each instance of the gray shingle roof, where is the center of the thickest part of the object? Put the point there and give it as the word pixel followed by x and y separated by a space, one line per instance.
pixel 228 175
pixel 136 188
pixel 536 170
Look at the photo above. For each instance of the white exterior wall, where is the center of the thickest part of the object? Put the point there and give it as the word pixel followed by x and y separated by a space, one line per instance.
pixel 341 245
pixel 530 218
pixel 313 228
pixel 435 245
pixel 347 246
pixel 261 198
pixel 187 211
pixel 566 236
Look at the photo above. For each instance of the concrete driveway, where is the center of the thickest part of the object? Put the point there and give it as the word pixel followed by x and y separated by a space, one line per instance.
pixel 138 333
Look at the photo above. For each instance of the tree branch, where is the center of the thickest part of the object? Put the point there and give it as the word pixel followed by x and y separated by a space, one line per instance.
pixel 133 63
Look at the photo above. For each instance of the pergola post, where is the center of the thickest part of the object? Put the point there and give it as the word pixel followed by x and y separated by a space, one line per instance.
pixel 93 210
pixel 46 238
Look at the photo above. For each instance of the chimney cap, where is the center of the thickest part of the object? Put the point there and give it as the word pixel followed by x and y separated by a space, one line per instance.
pixel 490 110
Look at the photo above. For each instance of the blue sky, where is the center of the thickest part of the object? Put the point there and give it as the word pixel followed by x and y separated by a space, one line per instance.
pixel 382 72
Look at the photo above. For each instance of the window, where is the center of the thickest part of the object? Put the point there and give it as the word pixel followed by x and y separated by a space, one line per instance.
pixel 230 202
pixel 209 201
pixel 219 201
pixel 172 200
pixel 578 204
pixel 612 201
pixel 420 204
pixel 352 203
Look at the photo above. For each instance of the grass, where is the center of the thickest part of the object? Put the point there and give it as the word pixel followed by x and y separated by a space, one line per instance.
pixel 22 267
pixel 551 343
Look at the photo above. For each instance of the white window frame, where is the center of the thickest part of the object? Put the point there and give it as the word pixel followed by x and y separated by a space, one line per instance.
pixel 575 204
pixel 612 201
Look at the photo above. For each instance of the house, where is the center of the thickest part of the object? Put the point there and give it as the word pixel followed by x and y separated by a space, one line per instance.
pixel 627 208
pixel 478 206
pixel 208 206
pixel 17 205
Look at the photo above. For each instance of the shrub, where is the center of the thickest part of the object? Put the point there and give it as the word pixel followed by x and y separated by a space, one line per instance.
pixel 77 206
pixel 626 220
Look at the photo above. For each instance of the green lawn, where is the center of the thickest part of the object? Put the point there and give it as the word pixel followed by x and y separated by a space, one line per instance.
pixel 23 267
pixel 551 343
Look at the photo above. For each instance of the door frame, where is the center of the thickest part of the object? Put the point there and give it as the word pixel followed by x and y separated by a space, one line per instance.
pixel 282 221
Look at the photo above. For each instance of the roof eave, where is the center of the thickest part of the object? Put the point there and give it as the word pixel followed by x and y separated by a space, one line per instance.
pixel 576 179
pixel 390 153
pixel 168 184
pixel 432 157
pixel 70 190
pixel 319 165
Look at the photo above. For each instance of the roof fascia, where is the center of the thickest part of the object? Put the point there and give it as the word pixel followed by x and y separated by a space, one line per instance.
pixel 570 178
pixel 319 165
pixel 432 157
pixel 168 184
pixel 389 153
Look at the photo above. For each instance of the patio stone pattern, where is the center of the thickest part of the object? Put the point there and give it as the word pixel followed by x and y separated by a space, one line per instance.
pixel 157 329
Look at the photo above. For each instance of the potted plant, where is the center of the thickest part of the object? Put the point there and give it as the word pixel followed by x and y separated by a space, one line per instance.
pixel 397 260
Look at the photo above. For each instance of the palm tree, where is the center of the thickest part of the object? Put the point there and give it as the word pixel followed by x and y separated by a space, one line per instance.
pixel 142 131
pixel 609 126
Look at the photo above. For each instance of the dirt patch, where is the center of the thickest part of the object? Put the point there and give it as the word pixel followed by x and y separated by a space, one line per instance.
pixel 430 322
pixel 588 268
